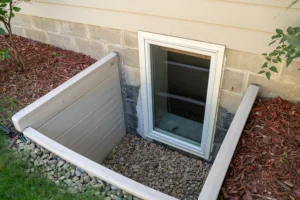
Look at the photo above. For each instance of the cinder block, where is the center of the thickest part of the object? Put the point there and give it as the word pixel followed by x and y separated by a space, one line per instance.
pixel 131 92
pixel 132 120
pixel 224 118
pixel 35 34
pixel 218 139
pixel 73 29
pixel 18 30
pixel 127 56
pixel 22 20
pixel 130 107
pixel 245 61
pixel 108 35
pixel 291 73
pixel 95 49
pixel 62 41
pixel 130 75
pixel 230 101
pixel 234 81
pixel 274 88
pixel 46 24
pixel 130 39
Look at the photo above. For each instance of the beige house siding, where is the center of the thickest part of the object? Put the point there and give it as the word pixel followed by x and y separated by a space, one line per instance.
pixel 244 26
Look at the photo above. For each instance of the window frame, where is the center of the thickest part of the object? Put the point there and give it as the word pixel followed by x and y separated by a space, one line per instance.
pixel 216 52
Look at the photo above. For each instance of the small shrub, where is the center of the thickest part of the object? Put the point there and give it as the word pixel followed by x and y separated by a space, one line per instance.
pixel 8 9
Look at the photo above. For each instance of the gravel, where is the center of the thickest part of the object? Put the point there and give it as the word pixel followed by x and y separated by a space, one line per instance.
pixel 148 163
pixel 66 174
pixel 158 167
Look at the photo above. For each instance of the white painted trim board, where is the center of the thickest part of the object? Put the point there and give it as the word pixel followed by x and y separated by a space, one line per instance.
pixel 219 169
pixel 95 169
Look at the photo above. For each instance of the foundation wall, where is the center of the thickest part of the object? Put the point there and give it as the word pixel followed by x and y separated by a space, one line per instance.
pixel 240 67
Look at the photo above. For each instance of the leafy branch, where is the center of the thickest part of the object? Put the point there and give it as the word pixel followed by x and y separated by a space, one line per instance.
pixel 8 9
pixel 288 45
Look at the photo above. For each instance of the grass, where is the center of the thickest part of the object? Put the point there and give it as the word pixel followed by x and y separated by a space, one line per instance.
pixel 15 184
pixel 8 106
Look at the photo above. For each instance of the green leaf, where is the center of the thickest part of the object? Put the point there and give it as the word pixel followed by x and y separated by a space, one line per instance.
pixel 3 12
pixel 275 60
pixel 268 75
pixel 279 31
pixel 297 29
pixel 278 59
pixel 289 60
pixel 273 69
pixel 276 36
pixel 290 31
pixel 274 53
pixel 281 53
pixel 268 58
pixel 272 42
pixel 2 31
pixel 2 5
pixel 283 39
pixel 261 72
pixel 264 65
pixel 264 54
pixel 4 54
pixel 16 9
pixel 293 3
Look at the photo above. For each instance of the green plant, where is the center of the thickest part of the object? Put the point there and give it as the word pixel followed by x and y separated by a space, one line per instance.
pixel 4 54
pixel 8 106
pixel 288 45
pixel 8 9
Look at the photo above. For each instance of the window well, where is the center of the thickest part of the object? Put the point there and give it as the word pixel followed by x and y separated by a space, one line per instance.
pixel 180 87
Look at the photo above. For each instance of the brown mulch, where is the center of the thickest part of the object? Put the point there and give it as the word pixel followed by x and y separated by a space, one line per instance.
pixel 266 163
pixel 46 67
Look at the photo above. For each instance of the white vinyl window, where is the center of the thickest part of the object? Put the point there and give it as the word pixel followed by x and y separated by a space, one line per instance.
pixel 180 81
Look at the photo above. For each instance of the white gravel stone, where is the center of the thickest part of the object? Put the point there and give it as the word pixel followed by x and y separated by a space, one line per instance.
pixel 61 163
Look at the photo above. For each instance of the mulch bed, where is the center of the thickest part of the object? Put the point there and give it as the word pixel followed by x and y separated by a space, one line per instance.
pixel 266 163
pixel 46 67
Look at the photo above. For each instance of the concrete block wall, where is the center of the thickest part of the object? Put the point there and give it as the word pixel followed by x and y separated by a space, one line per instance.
pixel 240 68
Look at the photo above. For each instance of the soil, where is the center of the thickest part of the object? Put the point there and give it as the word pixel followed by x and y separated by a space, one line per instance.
pixel 266 163
pixel 158 167
pixel 46 67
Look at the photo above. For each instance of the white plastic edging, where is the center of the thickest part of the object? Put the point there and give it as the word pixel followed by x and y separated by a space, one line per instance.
pixel 96 169
pixel 214 181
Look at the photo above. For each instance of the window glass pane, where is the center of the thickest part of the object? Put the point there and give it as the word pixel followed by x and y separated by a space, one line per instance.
pixel 179 84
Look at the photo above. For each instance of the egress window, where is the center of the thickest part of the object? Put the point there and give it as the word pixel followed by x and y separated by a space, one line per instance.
pixel 180 87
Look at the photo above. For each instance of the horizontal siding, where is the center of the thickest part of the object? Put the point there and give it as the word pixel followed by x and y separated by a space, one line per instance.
pixel 48 106
pixel 272 3
pixel 91 110
pixel 99 132
pixel 116 134
pixel 89 122
pixel 245 27
pixel 82 107
pixel 108 150
pixel 208 11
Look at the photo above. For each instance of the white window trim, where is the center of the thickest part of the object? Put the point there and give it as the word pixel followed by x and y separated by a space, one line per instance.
pixel 215 75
